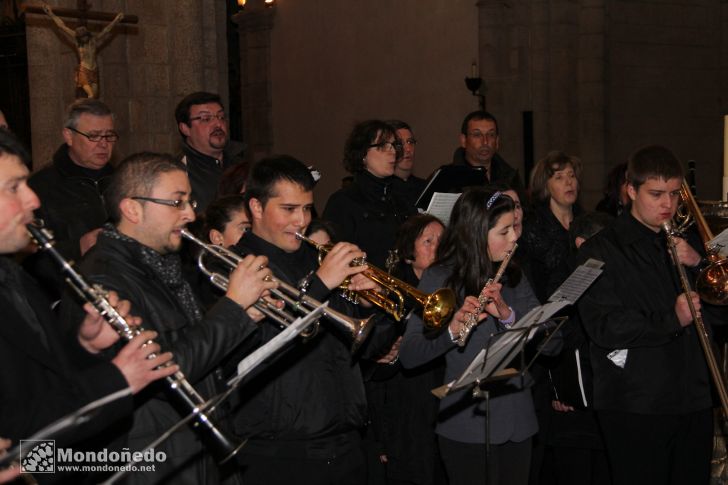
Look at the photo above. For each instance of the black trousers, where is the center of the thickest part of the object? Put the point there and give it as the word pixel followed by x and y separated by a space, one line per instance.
pixel 659 450
pixel 465 463
pixel 336 461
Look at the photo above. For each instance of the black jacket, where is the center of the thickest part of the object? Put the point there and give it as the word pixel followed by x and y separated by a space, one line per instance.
pixel 71 205
pixel 197 348
pixel 631 307
pixel 368 214
pixel 409 190
pixel 545 243
pixel 500 171
pixel 45 374
pixel 205 173
pixel 312 392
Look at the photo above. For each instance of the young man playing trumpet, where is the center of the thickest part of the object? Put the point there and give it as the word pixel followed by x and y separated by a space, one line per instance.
pixel 652 391
pixel 45 374
pixel 303 414
pixel 148 200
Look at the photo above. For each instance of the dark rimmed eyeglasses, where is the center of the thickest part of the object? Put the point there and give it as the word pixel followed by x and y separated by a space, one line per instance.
pixel 110 137
pixel 386 146
pixel 179 204
pixel 206 118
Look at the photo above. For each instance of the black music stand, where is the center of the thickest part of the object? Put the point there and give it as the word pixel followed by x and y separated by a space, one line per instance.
pixel 450 179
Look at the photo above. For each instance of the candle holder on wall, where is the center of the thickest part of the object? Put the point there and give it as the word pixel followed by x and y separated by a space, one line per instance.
pixel 474 83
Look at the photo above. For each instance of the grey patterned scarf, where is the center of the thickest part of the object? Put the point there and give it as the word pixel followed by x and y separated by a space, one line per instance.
pixel 166 267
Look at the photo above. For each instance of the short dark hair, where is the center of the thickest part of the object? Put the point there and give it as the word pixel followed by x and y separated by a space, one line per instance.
pixel 361 137
pixel 83 106
pixel 182 111
pixel 322 225
pixel 267 172
pixel 477 116
pixel 220 212
pixel 546 168
pixel 136 175
pixel 653 161
pixel 398 125
pixel 409 231
pixel 233 179
pixel 11 146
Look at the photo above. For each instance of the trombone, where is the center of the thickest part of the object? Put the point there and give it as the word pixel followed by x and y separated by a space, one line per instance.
pixel 296 299
pixel 698 321
pixel 712 282
pixel 437 307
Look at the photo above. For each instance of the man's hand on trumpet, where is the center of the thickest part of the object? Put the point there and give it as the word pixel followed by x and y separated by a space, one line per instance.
pixel 251 280
pixel 688 256
pixel 336 266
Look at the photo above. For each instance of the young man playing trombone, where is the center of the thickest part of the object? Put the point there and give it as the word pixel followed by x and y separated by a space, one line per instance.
pixel 652 390
pixel 149 203
pixel 303 413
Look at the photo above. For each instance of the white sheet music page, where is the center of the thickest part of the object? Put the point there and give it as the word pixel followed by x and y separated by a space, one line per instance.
pixel 720 243
pixel 441 206
pixel 576 284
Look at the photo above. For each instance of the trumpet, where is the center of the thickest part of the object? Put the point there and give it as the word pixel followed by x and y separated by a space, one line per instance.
pixel 712 282
pixel 437 307
pixel 698 322
pixel 468 326
pixel 186 397
pixel 295 298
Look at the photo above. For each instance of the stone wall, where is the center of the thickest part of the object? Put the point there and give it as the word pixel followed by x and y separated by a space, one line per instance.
pixel 604 77
pixel 145 69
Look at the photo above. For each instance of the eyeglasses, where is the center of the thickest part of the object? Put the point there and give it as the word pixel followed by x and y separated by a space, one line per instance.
pixel 179 204
pixel 110 137
pixel 483 136
pixel 207 118
pixel 386 146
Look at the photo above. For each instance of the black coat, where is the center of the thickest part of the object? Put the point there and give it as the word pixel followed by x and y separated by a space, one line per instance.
pixel 368 214
pixel 198 347
pixel 313 390
pixel 71 205
pixel 631 307
pixel 205 173
pixel 43 382
pixel 500 171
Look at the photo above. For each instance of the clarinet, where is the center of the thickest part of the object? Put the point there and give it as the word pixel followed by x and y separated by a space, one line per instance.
pixel 181 391
pixel 483 301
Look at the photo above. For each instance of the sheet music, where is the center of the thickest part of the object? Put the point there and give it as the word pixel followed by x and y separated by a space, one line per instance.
pixel 576 284
pixel 720 243
pixel 253 360
pixel 441 206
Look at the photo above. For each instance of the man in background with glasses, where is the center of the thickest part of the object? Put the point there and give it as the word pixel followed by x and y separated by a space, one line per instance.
pixel 479 144
pixel 70 188
pixel 203 124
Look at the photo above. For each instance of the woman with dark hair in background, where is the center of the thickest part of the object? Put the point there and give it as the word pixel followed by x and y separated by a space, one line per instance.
pixel 480 235
pixel 554 191
pixel 367 213
pixel 402 408
pixel 615 195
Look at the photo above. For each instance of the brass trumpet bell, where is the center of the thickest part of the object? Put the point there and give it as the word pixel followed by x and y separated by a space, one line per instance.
pixel 437 307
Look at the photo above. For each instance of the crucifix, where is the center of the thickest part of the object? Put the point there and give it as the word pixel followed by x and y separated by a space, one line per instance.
pixel 87 44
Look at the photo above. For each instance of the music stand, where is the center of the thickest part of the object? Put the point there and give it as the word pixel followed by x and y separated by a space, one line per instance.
pixel 450 179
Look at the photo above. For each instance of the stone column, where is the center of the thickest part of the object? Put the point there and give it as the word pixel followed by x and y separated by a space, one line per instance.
pixel 255 23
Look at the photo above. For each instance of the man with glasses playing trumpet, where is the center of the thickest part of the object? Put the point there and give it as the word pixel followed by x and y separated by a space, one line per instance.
pixel 652 390
pixel 149 204
pixel 303 413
